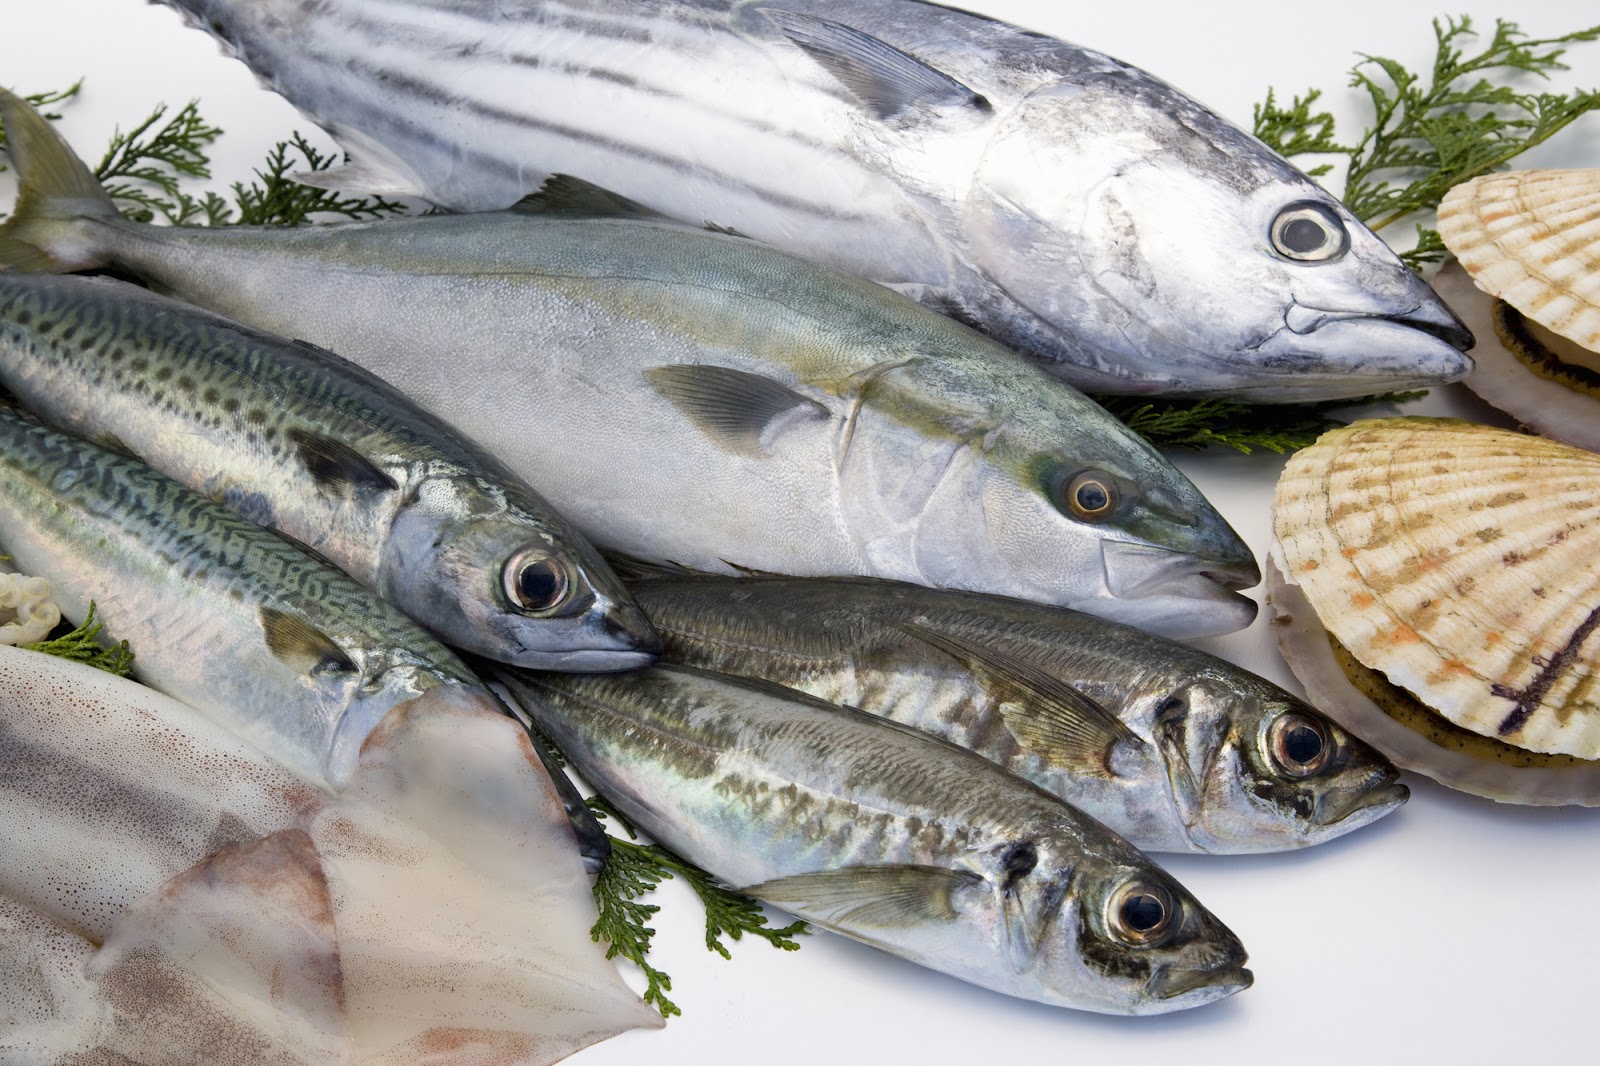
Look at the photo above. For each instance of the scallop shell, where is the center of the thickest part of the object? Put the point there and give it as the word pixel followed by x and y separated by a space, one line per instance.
pixel 1553 407
pixel 1415 738
pixel 1461 561
pixel 1532 239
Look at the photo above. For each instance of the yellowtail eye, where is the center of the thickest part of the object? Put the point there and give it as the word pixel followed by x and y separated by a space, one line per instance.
pixel 1090 496
pixel 1309 232
pixel 1141 914
pixel 1299 744
pixel 535 582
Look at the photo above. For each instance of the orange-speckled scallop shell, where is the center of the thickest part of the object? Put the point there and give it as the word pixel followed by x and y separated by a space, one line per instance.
pixel 1463 562
pixel 1532 239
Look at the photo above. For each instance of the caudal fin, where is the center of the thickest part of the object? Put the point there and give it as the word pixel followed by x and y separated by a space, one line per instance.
pixel 56 192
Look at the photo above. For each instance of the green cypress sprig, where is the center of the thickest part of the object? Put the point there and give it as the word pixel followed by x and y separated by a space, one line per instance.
pixel 82 645
pixel 635 870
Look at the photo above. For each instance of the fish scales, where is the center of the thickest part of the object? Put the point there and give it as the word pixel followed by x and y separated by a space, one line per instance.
pixel 1178 750
pixel 829 425
pixel 293 438
pixel 1070 205
pixel 884 834
pixel 194 582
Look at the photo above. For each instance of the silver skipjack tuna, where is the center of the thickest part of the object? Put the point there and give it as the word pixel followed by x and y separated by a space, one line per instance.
pixel 1070 205
pixel 696 397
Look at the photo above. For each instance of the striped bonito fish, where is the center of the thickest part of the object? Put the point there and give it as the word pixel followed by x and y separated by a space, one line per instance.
pixel 1070 205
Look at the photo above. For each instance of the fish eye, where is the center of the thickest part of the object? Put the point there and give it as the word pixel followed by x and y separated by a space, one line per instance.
pixel 1090 495
pixel 1309 232
pixel 1299 744
pixel 535 582
pixel 1141 914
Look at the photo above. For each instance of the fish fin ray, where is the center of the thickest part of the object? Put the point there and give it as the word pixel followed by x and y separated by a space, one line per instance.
pixel 337 466
pixel 1055 715
pixel 563 194
pixel 867 899
pixel 301 646
pixel 370 168
pixel 54 188
pixel 733 408
pixel 885 79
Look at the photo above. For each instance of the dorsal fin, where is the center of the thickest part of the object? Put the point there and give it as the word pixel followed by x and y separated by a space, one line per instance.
pixel 1053 717
pixel 337 466
pixel 885 79
pixel 740 411
pixel 563 194
pixel 301 646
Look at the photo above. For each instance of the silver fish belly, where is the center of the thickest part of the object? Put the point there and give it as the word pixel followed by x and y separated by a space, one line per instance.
pixel 244 626
pixel 1174 749
pixel 1070 205
pixel 700 398
pixel 296 439
pixel 890 837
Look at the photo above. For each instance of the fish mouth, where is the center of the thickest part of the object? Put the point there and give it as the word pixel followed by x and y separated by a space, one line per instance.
pixel 1352 808
pixel 1175 595
pixel 1197 987
pixel 619 638
pixel 1328 354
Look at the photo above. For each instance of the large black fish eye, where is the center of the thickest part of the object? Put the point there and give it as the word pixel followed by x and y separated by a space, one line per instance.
pixel 1309 232
pixel 535 582
pixel 1298 744
pixel 1141 914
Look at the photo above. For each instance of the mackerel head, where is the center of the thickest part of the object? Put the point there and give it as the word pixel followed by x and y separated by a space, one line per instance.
pixel 698 397
pixel 1068 204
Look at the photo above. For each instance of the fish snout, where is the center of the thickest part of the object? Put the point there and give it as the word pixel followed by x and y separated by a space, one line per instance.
pixel 1175 594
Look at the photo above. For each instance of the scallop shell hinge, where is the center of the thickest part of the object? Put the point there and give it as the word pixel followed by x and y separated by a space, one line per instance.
pixel 1461 561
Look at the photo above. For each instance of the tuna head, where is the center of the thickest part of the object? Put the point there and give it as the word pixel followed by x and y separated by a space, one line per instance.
pixel 1255 769
pixel 1014 484
pixel 461 563
pixel 1123 938
pixel 1150 246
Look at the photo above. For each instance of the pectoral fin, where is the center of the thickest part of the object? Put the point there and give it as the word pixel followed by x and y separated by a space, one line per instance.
pixel 1050 715
pixel 301 646
pixel 885 79
pixel 864 900
pixel 741 412
pixel 563 194
pixel 336 466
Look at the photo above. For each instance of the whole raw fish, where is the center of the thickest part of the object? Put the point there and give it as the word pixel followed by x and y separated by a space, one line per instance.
pixel 298 440
pixel 1071 206
pixel 696 397
pixel 1174 749
pixel 888 836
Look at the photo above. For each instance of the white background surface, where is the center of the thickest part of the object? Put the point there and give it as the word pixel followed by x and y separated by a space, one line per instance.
pixel 1454 931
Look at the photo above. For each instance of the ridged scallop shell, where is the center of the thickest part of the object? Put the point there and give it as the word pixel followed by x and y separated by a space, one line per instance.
pixel 1532 238
pixel 1461 561
pixel 1552 407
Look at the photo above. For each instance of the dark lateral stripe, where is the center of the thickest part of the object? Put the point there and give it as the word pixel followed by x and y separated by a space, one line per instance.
pixel 397 82
pixel 588 26
pixel 1558 664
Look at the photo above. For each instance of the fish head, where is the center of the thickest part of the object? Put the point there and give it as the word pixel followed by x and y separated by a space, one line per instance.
pixel 1165 250
pixel 1038 493
pixel 1256 769
pixel 1124 937
pixel 497 580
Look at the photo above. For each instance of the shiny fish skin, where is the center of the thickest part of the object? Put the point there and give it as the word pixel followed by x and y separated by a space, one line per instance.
pixel 196 585
pixel 297 440
pixel 1072 206
pixel 696 397
pixel 1193 767
pixel 883 834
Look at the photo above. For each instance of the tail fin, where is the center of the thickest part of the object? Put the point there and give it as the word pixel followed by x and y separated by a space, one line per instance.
pixel 55 189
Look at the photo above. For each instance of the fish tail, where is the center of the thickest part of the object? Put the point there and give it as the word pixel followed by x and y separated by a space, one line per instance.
pixel 55 192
